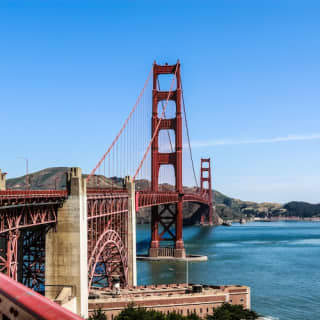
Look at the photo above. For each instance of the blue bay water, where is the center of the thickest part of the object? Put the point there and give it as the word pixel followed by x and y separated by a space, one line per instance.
pixel 280 261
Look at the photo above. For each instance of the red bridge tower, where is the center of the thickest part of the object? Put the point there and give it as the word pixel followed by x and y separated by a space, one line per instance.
pixel 206 189
pixel 167 215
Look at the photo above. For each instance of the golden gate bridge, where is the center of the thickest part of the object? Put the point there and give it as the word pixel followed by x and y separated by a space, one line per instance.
pixel 35 225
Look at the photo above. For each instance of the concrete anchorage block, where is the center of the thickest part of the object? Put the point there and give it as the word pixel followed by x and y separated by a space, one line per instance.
pixel 2 180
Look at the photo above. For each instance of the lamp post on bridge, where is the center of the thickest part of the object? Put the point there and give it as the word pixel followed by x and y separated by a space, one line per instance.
pixel 187 271
pixel 56 183
pixel 27 180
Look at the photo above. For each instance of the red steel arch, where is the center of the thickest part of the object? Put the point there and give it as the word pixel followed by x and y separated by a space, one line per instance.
pixel 110 251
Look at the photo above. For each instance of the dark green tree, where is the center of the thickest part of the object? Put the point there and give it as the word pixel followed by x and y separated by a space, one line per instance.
pixel 224 312
pixel 176 316
pixel 227 201
pixel 193 316
pixel 132 313
pixel 229 311
pixel 97 315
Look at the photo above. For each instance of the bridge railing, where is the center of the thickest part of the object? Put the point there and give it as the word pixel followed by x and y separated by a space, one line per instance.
pixel 106 191
pixel 8 197
pixel 196 197
pixel 147 199
pixel 20 302
pixel 32 193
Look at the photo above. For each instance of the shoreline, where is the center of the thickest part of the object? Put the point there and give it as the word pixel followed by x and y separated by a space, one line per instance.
pixel 285 219
pixel 273 219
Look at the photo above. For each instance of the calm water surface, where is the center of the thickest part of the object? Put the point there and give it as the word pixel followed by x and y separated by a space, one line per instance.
pixel 280 261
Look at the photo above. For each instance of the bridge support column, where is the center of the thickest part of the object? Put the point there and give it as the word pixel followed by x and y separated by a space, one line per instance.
pixel 66 246
pixel 2 180
pixel 154 245
pixel 12 254
pixel 132 256
pixel 179 251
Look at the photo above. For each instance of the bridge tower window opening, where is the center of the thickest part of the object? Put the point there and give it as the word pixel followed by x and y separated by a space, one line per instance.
pixel 166 178
pixel 205 185
pixel 166 141
pixel 164 82
pixel 205 174
pixel 205 164
pixel 170 112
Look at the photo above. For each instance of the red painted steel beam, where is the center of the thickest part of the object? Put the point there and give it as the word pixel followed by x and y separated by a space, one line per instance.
pixel 96 191
pixel 167 124
pixel 166 69
pixel 31 302
pixel 164 95
pixel 26 216
pixel 9 197
pixel 33 193
pixel 150 199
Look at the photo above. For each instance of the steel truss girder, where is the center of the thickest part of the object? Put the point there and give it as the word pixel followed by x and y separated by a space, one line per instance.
pixel 100 205
pixel 21 249
pixel 21 197
pixel 107 238
pixel 32 273
pixel 146 199
pixel 27 216
pixel 12 254
pixel 167 219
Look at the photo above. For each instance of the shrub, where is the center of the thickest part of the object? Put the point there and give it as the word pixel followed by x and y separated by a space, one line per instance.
pixel 224 312
pixel 97 315
pixel 229 311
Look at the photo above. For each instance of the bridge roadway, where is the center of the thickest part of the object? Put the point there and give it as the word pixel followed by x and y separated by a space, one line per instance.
pixel 29 208
pixel 16 198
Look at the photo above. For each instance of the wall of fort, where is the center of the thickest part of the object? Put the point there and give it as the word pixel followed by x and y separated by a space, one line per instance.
pixel 180 298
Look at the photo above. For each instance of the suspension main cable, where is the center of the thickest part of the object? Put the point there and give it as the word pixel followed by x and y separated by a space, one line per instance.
pixel 190 150
pixel 123 127
pixel 157 128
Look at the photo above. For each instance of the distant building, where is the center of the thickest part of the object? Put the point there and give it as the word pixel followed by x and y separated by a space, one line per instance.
pixel 181 298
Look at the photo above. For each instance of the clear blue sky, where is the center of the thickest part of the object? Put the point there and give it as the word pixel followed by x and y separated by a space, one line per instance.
pixel 71 71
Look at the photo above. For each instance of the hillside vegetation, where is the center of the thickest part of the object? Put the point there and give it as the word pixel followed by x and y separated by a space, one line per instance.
pixel 227 208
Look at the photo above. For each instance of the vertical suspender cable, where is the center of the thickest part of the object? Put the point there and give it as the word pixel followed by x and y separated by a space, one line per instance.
pixel 122 128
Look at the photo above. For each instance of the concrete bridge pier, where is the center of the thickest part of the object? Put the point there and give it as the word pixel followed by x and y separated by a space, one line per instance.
pixel 132 256
pixel 2 181
pixel 66 248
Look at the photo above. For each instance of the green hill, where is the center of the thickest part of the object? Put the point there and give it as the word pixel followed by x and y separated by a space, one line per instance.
pixel 227 208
